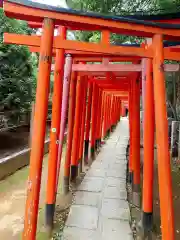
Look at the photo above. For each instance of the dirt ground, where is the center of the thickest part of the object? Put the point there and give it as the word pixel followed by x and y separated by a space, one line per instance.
pixel 12 204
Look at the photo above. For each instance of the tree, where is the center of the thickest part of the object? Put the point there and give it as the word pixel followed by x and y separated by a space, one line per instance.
pixel 17 68
pixel 110 7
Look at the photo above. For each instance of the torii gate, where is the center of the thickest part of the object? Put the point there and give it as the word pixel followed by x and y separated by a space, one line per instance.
pixel 27 10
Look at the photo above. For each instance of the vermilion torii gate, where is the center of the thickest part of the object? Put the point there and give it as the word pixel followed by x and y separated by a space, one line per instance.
pixel 106 87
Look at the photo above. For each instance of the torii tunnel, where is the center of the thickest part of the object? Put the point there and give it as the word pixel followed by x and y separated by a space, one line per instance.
pixel 95 97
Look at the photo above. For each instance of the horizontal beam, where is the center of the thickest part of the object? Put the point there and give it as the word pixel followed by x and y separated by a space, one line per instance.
pixel 89 47
pixel 115 89
pixel 84 21
pixel 103 74
pixel 122 95
pixel 78 46
pixel 99 57
pixel 117 69
pixel 81 56
pixel 107 68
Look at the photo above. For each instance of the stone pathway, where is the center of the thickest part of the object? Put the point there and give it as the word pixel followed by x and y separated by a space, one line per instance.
pixel 100 210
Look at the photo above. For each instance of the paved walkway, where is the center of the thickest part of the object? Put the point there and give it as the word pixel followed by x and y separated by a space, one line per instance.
pixel 100 210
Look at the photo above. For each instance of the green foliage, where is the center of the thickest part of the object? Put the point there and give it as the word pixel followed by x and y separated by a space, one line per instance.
pixel 121 7
pixel 109 7
pixel 168 5
pixel 17 68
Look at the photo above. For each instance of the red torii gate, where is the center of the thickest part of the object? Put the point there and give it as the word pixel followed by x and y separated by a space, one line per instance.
pixel 156 52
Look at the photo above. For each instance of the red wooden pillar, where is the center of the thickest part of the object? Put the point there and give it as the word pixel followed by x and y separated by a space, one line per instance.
pixel 164 167
pixel 65 98
pixel 136 142
pixel 148 167
pixel 120 114
pixel 130 100
pixel 111 112
pixel 82 130
pixel 39 127
pixel 123 110
pixel 131 131
pixel 119 111
pixel 98 119
pixel 71 113
pixel 76 130
pixel 97 116
pixel 55 129
pixel 102 117
pixel 109 115
pixel 94 119
pixel 88 121
pixel 105 115
pixel 115 111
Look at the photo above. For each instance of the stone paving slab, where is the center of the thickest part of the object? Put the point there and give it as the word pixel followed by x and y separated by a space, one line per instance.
pixel 115 182
pixel 100 210
pixel 115 229
pixel 74 233
pixel 83 212
pixel 92 184
pixel 115 192
pixel 87 198
pixel 96 172
pixel 115 209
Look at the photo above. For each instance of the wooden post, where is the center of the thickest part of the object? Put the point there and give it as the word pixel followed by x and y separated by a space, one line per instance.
pixel 120 112
pixel 71 113
pixel 130 166
pixel 37 150
pixel 99 121
pixel 144 63
pixel 54 135
pixel 105 115
pixel 98 118
pixel 88 121
pixel 82 130
pixel 102 117
pixel 148 169
pixel 66 86
pixel 77 119
pixel 164 168
pixel 93 125
pixel 136 142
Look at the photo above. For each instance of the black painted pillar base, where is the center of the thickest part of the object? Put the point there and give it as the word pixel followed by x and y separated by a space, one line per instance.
pixel 136 197
pixel 66 185
pixel 80 166
pixel 113 127
pixel 86 151
pixel 147 221
pixel 96 144
pixel 50 209
pixel 127 151
pixel 74 172
pixel 108 132
pixel 92 153
pixel 99 143
pixel 145 226
pixel 130 178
